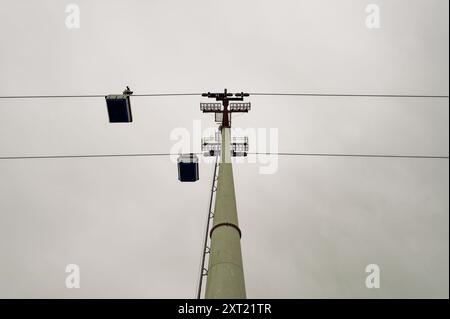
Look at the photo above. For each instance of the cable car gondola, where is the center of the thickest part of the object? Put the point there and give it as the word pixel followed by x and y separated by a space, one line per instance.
pixel 188 168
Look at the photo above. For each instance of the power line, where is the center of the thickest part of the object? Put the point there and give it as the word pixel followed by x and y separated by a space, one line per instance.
pixel 169 94
pixel 85 156
pixel 354 155
pixel 353 95
pixel 255 153
pixel 251 94
pixel 49 96
pixel 92 95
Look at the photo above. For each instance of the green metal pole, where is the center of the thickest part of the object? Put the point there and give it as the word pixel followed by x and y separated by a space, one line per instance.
pixel 225 278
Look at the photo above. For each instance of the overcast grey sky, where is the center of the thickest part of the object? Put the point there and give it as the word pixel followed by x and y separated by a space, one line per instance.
pixel 309 230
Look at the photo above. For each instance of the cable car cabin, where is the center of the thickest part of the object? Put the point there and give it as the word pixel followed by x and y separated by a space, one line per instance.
pixel 119 108
pixel 188 168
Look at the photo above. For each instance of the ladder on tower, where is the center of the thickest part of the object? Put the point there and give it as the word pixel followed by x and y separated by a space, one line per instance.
pixel 210 216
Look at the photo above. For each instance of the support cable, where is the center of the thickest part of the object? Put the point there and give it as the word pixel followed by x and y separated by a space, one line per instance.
pixel 251 153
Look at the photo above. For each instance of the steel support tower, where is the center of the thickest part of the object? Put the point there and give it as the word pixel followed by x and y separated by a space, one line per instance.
pixel 225 275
